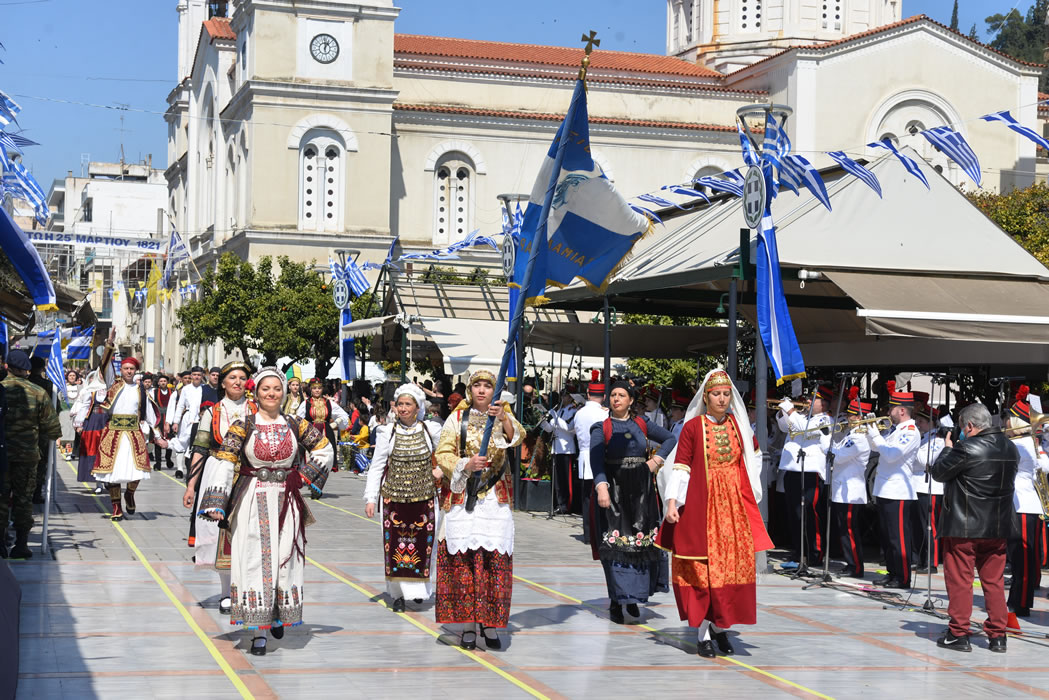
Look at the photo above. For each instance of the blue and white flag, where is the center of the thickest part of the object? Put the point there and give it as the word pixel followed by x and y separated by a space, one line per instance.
pixel 1005 117
pixel 79 347
pixel 729 181
pixel 750 156
pixel 908 162
pixel 955 147
pixel 42 349
pixel 55 371
pixel 355 278
pixel 347 351
pixel 774 324
pixel 22 141
pixel 7 147
pixel 686 192
pixel 29 188
pixel 590 227
pixel 853 168
pixel 177 252
pixel 361 461
pixel 27 263
pixel 474 238
pixel 9 109
pixel 802 172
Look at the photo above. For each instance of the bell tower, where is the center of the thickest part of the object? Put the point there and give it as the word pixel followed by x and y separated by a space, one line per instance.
pixel 727 35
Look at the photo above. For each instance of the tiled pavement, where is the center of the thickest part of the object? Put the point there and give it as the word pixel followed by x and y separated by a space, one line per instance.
pixel 117 613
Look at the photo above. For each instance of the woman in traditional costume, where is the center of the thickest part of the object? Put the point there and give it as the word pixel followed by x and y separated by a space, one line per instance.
pixel 628 516
pixel 713 526
pixel 326 415
pixel 294 398
pixel 211 544
pixel 475 547
pixel 272 456
pixel 402 473
pixel 88 420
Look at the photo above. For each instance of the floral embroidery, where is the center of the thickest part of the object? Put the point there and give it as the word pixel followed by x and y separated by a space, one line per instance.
pixel 637 540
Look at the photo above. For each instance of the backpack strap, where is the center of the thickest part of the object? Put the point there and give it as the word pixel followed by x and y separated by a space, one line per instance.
pixel 642 424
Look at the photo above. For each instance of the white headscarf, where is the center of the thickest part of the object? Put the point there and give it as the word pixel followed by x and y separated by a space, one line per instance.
pixel 751 458
pixel 416 394
pixel 266 372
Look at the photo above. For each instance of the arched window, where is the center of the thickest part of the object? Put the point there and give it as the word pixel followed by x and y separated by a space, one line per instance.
pixel 321 167
pixel 453 196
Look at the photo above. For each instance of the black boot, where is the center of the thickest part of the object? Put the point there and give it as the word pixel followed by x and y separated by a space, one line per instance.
pixel 615 613
pixel 21 548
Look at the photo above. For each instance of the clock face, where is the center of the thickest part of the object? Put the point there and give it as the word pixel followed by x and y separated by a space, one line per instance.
pixel 324 48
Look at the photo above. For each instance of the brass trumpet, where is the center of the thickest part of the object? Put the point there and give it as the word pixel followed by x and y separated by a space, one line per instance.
pixel 844 426
pixel 798 405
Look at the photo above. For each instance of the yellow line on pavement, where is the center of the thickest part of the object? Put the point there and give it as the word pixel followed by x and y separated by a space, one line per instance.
pixel 433 633
pixel 208 644
pixel 577 601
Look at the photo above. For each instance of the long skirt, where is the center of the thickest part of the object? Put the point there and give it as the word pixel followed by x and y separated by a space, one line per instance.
pixel 474 586
pixel 91 433
pixel 267 574
pixel 408 533
pixel 126 449
pixel 723 587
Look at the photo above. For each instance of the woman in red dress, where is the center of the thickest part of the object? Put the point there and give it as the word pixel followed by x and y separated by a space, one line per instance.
pixel 713 526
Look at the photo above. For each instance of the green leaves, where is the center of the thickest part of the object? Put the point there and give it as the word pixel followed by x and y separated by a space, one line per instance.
pixel 1023 214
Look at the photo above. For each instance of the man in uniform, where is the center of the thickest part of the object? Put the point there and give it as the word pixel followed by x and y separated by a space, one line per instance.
pixel 848 490
pixel 678 405
pixel 593 412
pixel 558 422
pixel 122 454
pixel 894 487
pixel 30 418
pixel 803 465
pixel 653 412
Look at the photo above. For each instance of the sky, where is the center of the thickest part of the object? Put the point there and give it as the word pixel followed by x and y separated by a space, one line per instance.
pixel 78 66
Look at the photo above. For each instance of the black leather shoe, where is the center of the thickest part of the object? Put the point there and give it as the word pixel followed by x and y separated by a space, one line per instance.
pixel 225 606
pixel 491 639
pixel 20 551
pixel 924 570
pixel 724 645
pixel 896 583
pixel 398 605
pixel 706 649
pixel 883 581
pixel 997 645
pixel 468 641
pixel 418 601
pixel 1022 612
pixel 949 641
pixel 277 632
pixel 632 610
pixel 258 646
pixel 615 613
pixel 129 503
pixel 180 475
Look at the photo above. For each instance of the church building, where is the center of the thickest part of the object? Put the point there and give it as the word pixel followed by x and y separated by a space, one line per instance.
pixel 297 127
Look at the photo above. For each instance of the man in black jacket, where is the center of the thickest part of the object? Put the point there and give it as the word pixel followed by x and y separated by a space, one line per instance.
pixel 975 522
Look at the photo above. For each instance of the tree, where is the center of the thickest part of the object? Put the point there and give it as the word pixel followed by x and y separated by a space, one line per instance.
pixel 1020 36
pixel 1023 214
pixel 973 34
pixel 231 297
pixel 954 16
pixel 678 373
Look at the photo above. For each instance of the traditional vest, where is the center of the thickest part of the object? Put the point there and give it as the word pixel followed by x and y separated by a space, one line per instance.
pixel 408 476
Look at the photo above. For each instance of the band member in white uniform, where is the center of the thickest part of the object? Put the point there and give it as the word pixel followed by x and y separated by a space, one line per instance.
pixel 848 491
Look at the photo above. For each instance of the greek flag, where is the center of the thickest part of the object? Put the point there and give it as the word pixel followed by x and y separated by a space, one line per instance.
pixel 355 278
pixel 347 351
pixel 590 228
pixel 361 461
pixel 336 270
pixel 801 172
pixel 79 347
pixel 55 371
pixel 853 168
pixel 1005 117
pixel 729 181
pixel 473 238
pixel 43 344
pixel 177 252
pixel 774 324
pixel 26 185
pixel 7 146
pixel 750 156
pixel 956 148
pixel 22 141
pixel 776 145
pixel 908 162
pixel 9 109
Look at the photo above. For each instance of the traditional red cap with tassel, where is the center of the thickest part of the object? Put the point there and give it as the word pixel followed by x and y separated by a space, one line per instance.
pixel 596 386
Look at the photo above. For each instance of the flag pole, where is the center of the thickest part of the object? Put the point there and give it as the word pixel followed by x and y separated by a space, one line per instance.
pixel 538 240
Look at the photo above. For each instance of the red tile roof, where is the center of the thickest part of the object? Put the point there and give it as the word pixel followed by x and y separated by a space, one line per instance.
pixel 218 28
pixel 414 44
pixel 546 117
pixel 1043 103
pixel 895 25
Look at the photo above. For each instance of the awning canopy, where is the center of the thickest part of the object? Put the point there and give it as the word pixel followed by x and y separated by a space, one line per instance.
pixel 955 308
pixel 27 263
pixel 629 340
pixel 365 328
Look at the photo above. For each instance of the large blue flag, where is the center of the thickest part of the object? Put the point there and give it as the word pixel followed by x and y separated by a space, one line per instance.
pixel 347 352
pixel 590 229
pixel 79 347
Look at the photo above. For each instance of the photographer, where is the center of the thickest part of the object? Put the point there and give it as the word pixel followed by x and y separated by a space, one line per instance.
pixel 978 468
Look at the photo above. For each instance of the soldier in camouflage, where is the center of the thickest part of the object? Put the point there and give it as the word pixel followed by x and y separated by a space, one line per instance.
pixel 30 417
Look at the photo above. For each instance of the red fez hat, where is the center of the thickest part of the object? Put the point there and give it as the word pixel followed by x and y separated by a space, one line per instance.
pixel 130 361
pixel 901 398
pixel 680 400
pixel 596 386
pixel 825 392
pixel 859 407
pixel 651 392
pixel 1022 410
